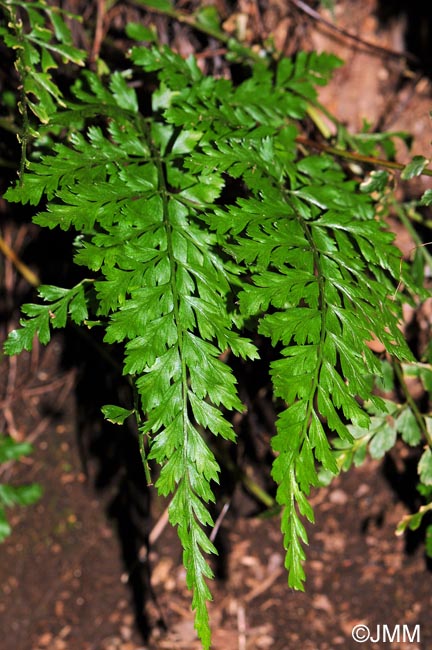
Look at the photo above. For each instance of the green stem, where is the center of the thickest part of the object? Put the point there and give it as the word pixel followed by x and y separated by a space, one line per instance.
pixel 164 193
pixel 410 401
pixel 244 477
pixel 419 243
pixel 187 19
pixel 322 303
pixel 23 134
pixel 144 457
pixel 141 436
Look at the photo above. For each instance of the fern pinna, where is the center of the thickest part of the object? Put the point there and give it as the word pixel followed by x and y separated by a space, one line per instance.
pixel 176 271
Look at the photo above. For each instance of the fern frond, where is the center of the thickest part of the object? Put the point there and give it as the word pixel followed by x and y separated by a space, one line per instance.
pixel 180 266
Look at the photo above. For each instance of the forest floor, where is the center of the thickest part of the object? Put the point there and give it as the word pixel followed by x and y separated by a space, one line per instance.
pixel 77 574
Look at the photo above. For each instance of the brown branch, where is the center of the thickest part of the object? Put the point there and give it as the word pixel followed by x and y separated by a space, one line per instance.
pixel 397 367
pixel 357 157
pixel 19 264
pixel 99 31
pixel 302 6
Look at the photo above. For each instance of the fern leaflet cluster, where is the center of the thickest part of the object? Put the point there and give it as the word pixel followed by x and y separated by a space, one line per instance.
pixel 178 269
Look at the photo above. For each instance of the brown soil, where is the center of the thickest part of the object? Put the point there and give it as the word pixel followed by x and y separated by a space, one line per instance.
pixel 78 574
